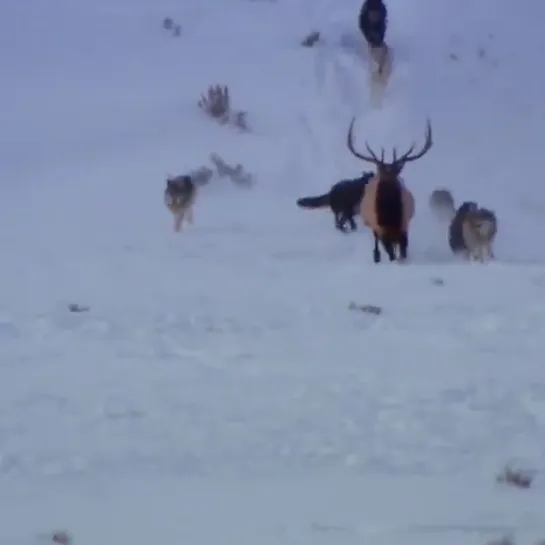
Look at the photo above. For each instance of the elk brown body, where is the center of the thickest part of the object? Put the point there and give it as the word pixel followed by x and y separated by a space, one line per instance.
pixel 368 209
pixel 388 206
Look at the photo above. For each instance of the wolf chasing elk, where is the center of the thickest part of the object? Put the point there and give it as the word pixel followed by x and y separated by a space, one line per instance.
pixel 381 199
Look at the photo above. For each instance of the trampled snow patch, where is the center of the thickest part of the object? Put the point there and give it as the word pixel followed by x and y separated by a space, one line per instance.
pixel 318 508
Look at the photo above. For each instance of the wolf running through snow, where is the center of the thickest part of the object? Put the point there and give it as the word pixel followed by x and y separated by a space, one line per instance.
pixel 180 195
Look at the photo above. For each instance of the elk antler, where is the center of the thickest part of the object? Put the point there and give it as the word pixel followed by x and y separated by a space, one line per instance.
pixel 399 163
pixel 371 158
pixel 409 156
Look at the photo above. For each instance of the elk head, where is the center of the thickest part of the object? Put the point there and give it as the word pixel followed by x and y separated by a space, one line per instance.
pixel 389 171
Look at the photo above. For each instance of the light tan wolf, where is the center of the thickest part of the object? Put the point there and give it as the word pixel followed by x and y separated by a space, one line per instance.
pixel 380 65
pixel 180 195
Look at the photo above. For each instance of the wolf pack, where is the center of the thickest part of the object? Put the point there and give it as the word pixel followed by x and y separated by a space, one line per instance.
pixel 379 197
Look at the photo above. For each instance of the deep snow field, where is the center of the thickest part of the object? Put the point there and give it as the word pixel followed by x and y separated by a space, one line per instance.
pixel 219 391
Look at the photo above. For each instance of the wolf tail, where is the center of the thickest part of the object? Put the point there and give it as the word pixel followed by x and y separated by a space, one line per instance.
pixel 321 201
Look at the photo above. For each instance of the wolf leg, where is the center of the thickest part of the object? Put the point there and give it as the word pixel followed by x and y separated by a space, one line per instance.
pixel 340 222
pixel 474 255
pixel 478 253
pixel 178 220
pixel 491 252
pixel 488 254
pixel 351 221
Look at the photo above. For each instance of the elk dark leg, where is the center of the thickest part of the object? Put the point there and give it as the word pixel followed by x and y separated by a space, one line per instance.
pixel 389 248
pixel 403 245
pixel 376 250
pixel 353 225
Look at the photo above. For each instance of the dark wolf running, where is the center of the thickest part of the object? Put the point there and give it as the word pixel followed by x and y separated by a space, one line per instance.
pixel 343 199
pixel 373 24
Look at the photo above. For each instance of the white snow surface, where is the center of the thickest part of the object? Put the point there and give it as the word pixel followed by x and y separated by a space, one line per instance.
pixel 219 390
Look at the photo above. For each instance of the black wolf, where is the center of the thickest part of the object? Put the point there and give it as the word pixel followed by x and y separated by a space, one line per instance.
pixel 373 22
pixel 344 199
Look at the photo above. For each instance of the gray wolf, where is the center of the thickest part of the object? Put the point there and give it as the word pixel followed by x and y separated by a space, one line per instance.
pixel 343 199
pixel 180 195
pixel 441 203
pixel 472 229
pixel 479 230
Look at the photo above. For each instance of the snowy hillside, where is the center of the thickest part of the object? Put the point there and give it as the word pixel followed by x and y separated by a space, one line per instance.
pixel 219 389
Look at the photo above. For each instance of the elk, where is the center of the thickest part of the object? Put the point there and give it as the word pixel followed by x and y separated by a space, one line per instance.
pixel 387 206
